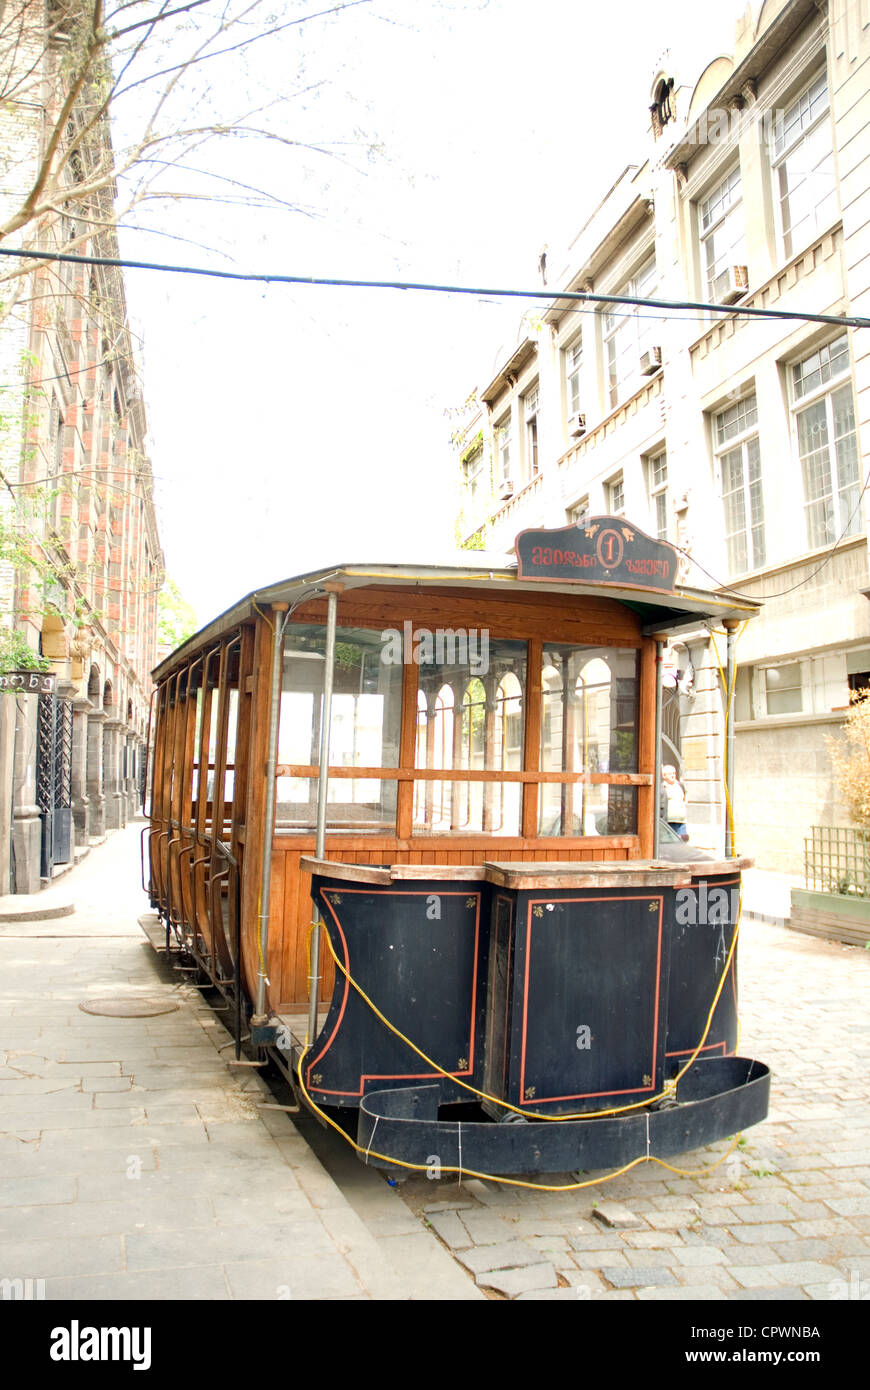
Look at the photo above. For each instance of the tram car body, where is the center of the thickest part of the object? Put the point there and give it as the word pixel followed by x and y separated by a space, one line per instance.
pixel 459 942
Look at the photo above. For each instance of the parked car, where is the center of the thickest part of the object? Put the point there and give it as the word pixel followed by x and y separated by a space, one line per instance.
pixel 678 851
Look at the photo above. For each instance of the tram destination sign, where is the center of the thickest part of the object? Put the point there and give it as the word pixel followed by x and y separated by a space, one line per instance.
pixel 600 550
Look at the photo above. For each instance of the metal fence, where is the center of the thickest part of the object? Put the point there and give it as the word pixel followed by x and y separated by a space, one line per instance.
pixel 837 860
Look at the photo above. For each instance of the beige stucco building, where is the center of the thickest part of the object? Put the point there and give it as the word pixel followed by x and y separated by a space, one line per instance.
pixel 745 441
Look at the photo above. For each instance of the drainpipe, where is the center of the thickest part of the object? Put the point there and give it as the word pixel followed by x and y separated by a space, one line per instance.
pixel 322 790
pixel 279 611
pixel 731 625
pixel 657 780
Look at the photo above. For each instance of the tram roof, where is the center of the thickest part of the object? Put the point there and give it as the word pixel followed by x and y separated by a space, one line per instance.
pixel 673 612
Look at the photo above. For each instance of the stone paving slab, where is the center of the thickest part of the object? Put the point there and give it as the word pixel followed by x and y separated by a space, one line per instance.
pixel 134 1161
pixel 784 1215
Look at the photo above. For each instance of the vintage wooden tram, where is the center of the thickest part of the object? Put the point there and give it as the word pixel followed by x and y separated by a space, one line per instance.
pixel 480 858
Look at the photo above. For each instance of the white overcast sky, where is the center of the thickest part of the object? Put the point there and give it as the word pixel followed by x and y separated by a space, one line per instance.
pixel 294 427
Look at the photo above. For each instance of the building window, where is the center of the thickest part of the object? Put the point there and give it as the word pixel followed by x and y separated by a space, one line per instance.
pixel 657 483
pixel 472 475
pixel 530 417
pixel 579 513
pixel 739 459
pixel 503 449
pixel 783 689
pixel 723 238
pixel 628 333
pixel 662 109
pixel 614 491
pixel 803 162
pixel 827 442
pixel 858 673
pixel 573 360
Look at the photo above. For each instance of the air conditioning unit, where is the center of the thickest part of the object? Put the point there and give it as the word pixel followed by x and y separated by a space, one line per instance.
pixel 506 489
pixel 732 284
pixel 650 361
pixel 577 426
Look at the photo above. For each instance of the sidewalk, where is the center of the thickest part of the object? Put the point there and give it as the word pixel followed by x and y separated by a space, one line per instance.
pixel 767 895
pixel 134 1160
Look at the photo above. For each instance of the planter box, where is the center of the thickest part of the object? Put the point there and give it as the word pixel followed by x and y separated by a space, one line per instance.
pixel 835 916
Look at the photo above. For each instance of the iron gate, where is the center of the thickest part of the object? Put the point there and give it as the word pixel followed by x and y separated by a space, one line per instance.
pixel 54 780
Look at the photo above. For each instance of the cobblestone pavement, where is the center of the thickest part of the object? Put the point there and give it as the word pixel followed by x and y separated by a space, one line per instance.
pixel 786 1216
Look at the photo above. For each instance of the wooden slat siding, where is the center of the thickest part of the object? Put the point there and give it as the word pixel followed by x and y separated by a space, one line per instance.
pixel 293 970
pixel 646 752
pixel 342 773
pixel 186 800
pixel 255 808
pixel 157 789
pixel 200 873
pixel 173 798
pixel 241 759
pixel 243 737
pixel 589 621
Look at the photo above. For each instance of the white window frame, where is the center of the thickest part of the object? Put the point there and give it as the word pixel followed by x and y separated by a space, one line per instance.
pixel 531 410
pixel 572 359
pixel 658 489
pixel 579 513
pixel 626 332
pixel 794 132
pixel 735 429
pixel 804 686
pixel 836 511
pixel 614 491
pixel 502 443
pixel 472 476
pixel 722 232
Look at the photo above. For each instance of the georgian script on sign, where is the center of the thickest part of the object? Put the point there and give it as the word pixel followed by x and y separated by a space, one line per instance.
pixel 601 550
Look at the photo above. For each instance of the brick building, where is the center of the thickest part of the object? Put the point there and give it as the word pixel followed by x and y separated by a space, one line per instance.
pixel 744 441
pixel 80 564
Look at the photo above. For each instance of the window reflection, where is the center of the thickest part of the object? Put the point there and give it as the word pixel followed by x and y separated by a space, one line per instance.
pixel 472 722
pixel 588 724
pixel 364 726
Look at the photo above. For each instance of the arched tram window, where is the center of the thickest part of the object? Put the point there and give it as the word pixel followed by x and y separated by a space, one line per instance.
pixel 589 706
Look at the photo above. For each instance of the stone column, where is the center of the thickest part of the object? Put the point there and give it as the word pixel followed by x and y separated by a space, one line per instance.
pixel 96 798
pixel 26 817
pixel 66 690
pixel 130 774
pixel 116 811
pixel 82 707
pixel 7 772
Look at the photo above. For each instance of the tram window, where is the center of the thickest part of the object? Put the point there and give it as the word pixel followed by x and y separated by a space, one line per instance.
pixel 470 716
pixel 589 717
pixel 364 728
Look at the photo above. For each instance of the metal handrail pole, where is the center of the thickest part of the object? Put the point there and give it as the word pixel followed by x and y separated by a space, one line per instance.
pixel 280 612
pixel 322 791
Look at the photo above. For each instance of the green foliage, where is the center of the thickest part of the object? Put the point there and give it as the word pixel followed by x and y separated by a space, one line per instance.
pixel 347 655
pixel 851 758
pixel 475 542
pixel 176 618
pixel 16 655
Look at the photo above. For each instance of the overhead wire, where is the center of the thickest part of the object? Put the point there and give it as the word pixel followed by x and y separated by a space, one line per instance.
pixel 425 287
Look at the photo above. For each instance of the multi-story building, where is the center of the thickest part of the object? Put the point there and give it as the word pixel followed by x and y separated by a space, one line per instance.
pixel 80 557
pixel 742 440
